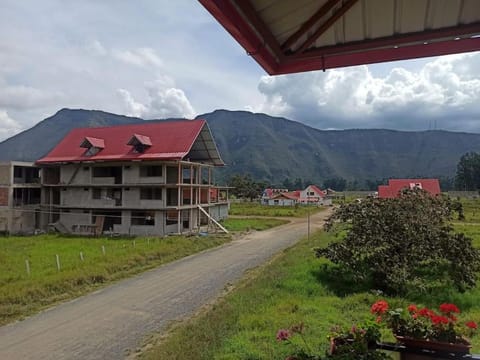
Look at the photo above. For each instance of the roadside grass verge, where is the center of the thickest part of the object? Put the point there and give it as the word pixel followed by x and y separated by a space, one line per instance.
pixel 256 209
pixel 295 287
pixel 22 294
pixel 246 224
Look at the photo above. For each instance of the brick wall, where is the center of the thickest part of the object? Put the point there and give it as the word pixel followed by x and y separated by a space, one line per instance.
pixel 3 196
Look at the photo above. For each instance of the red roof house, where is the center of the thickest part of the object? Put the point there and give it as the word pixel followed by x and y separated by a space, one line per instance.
pixel 392 190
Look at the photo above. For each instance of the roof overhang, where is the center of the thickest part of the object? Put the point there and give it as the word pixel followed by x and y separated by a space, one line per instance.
pixel 288 36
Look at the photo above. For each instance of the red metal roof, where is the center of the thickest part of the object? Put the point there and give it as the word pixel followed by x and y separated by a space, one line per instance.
pixel 396 185
pixel 170 140
pixel 291 36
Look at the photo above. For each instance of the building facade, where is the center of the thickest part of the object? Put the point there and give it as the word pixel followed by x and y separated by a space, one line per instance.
pixel 19 197
pixel 142 179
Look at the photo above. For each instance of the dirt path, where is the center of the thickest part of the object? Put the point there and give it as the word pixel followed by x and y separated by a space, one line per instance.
pixel 109 323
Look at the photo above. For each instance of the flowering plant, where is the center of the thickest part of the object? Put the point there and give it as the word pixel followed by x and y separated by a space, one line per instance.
pixel 355 343
pixel 424 323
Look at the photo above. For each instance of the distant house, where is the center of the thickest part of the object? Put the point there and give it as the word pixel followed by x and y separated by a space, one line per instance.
pixel 284 198
pixel 269 193
pixel 395 186
pixel 310 195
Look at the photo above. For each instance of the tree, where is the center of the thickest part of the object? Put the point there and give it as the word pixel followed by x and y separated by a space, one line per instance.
pixel 468 172
pixel 402 243
pixel 245 187
pixel 337 183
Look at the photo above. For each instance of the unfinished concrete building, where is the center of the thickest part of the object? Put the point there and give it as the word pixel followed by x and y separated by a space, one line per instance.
pixel 19 197
pixel 141 179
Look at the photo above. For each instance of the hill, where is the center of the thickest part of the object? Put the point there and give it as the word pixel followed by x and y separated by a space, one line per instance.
pixel 272 148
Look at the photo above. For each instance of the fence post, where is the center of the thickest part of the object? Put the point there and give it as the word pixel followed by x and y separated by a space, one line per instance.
pixel 81 256
pixel 58 262
pixel 27 265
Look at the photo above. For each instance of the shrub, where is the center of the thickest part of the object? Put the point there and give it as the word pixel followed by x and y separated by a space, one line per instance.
pixel 402 242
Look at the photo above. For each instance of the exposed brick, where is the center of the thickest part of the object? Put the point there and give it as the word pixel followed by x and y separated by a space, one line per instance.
pixel 3 196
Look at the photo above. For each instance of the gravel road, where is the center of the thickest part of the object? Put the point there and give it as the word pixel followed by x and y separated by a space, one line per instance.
pixel 109 323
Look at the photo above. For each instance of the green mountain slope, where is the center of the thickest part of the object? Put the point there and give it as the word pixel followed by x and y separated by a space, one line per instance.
pixel 271 148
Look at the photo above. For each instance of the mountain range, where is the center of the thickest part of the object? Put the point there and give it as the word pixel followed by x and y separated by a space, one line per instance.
pixel 274 149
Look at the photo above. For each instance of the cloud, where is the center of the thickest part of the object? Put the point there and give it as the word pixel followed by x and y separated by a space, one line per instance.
pixel 142 57
pixel 164 100
pixel 20 97
pixel 447 88
pixel 8 126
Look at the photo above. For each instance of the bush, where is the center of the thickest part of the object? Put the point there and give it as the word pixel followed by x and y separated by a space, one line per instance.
pixel 401 243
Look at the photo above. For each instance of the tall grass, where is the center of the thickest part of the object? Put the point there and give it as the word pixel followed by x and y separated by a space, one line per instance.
pixel 22 294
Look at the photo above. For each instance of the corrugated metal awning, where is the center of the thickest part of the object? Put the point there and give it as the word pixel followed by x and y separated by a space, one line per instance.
pixel 286 36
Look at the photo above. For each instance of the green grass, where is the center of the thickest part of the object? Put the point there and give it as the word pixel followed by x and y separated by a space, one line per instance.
pixel 237 224
pixel 295 287
pixel 21 294
pixel 256 209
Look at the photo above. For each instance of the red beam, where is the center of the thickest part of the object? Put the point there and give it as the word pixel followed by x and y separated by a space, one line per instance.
pixel 309 23
pixel 254 19
pixel 325 26
pixel 380 55
pixel 228 16
pixel 390 41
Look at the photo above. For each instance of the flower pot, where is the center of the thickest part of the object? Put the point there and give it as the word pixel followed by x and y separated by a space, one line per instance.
pixel 417 346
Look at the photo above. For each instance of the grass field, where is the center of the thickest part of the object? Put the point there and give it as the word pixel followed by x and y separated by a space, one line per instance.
pixel 22 294
pixel 238 224
pixel 295 287
pixel 256 209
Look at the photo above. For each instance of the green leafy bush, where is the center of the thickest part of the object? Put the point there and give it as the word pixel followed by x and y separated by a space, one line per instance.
pixel 397 244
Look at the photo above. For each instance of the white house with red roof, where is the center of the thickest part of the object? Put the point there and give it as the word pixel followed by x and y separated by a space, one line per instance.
pixel 141 179
pixel 310 195
pixel 395 186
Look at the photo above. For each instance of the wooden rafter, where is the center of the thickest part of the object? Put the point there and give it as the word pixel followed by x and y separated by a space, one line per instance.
pixel 326 25
pixel 307 25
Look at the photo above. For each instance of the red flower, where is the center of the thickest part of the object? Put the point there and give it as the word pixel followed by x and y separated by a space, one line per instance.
pixel 412 308
pixel 449 308
pixel 380 307
pixel 283 335
pixel 438 319
pixel 472 325
pixel 425 312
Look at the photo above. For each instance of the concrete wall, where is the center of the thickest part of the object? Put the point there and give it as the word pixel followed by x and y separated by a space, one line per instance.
pixel 281 202
pixel 82 175
pixel 75 217
pixel 16 221
pixel 127 228
pixel 5 174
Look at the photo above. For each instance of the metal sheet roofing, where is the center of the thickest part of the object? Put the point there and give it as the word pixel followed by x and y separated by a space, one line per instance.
pixel 396 185
pixel 286 36
pixel 170 140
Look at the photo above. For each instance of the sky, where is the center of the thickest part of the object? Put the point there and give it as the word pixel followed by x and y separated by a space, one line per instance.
pixel 158 58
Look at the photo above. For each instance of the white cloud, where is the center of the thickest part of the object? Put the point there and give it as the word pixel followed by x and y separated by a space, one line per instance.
pixel 142 57
pixel 26 97
pixel 164 100
pixel 8 126
pixel 446 87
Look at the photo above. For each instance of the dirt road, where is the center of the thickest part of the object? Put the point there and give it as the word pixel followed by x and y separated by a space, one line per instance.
pixel 111 322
